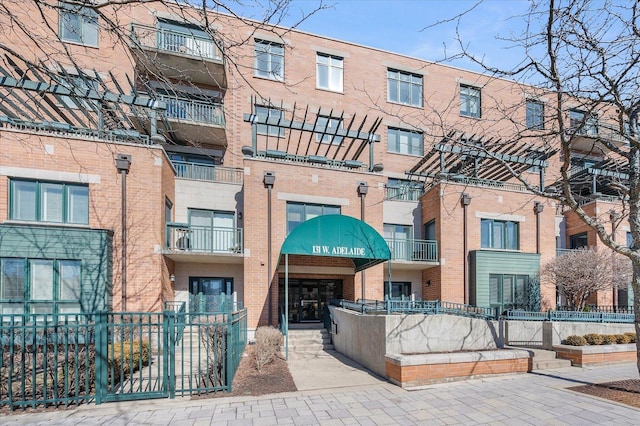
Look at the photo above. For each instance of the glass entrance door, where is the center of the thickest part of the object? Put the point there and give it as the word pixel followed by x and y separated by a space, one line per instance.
pixel 307 298
pixel 309 302
pixel 205 292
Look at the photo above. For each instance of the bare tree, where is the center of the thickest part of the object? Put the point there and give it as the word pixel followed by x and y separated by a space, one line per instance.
pixel 583 60
pixel 581 273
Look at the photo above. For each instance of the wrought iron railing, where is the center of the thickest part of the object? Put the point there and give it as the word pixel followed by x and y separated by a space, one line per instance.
pixel 177 42
pixel 413 250
pixel 576 316
pixel 486 183
pixel 210 173
pixel 195 110
pixel 403 193
pixel 206 239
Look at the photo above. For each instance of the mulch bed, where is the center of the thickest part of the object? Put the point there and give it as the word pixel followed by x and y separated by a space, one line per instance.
pixel 623 391
pixel 274 378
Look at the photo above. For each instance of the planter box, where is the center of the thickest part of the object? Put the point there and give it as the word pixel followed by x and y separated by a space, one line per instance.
pixel 597 354
pixel 424 369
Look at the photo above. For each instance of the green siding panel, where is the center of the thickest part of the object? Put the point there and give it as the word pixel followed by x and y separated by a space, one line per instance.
pixel 482 263
pixel 94 248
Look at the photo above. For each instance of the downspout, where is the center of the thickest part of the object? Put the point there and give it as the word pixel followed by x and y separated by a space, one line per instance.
pixel 123 163
pixel 538 208
pixel 363 188
pixel 269 180
pixel 465 200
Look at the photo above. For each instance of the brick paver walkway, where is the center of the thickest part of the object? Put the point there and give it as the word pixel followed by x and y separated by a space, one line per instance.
pixel 535 398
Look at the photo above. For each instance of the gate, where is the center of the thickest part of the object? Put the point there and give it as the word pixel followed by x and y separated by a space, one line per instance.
pixel 68 359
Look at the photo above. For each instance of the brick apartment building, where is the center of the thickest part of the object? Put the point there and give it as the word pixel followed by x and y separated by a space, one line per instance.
pixel 224 139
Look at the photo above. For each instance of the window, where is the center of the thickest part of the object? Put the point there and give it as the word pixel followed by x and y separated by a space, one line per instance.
pixel 398 289
pixel 301 212
pixel 577 241
pixel 589 127
pixel 49 202
pixel 535 115
pixel 81 84
pixel 273 114
pixel 269 60
pixel 404 88
pixel 211 230
pixel 405 190
pixel 469 101
pixel 78 24
pixel 404 142
pixel 497 234
pixel 508 291
pixel 629 239
pixel 328 125
pixel 400 240
pixel 430 230
pixel 40 285
pixel 329 71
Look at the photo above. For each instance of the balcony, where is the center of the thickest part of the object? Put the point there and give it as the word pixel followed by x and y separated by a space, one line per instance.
pixel 192 120
pixel 585 138
pixel 203 244
pixel 402 193
pixel 208 173
pixel 413 252
pixel 178 55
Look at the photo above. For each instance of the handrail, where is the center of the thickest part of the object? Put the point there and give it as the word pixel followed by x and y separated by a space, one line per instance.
pixel 182 108
pixel 413 249
pixel 207 172
pixel 175 41
pixel 191 238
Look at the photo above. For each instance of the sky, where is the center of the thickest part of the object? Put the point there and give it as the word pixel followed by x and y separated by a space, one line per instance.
pixel 407 26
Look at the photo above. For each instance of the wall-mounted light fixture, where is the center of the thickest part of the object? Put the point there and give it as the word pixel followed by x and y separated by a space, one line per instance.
pixel 538 207
pixel 172 278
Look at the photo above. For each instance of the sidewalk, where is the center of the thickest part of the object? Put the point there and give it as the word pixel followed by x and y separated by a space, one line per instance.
pixel 535 398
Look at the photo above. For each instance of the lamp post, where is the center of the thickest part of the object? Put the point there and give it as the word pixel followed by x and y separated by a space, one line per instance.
pixel 465 200
pixel 613 217
pixel 268 180
pixel 363 188
pixel 123 164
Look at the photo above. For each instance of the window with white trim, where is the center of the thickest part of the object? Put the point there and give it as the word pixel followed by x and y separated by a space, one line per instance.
pixel 329 72
pixel 55 202
pixel 269 59
pixel 402 141
pixel 404 88
pixel 583 125
pixel 469 101
pixel 78 24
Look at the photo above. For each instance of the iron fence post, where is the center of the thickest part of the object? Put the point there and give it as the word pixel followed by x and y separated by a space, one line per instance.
pixel 229 378
pixel 102 353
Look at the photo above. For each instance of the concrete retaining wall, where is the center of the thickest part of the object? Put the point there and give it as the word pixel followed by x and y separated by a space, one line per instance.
pixel 549 334
pixel 594 355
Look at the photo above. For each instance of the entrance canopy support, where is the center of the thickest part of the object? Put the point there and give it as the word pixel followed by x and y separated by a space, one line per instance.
pixel 333 236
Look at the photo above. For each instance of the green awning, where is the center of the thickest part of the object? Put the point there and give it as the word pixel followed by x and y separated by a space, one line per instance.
pixel 338 236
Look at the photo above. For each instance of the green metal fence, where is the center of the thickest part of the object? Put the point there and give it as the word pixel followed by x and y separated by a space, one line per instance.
pixel 68 359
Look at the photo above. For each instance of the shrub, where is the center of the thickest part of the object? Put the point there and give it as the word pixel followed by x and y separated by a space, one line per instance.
pixel 594 339
pixel 268 342
pixel 622 339
pixel 631 336
pixel 575 341
pixel 130 354
pixel 609 339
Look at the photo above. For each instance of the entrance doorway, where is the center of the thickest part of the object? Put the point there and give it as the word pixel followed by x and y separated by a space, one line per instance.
pixel 203 292
pixel 307 298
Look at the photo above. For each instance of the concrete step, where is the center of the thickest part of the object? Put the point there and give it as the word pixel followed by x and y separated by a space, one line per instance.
pixel 308 348
pixel 310 339
pixel 550 364
pixel 542 354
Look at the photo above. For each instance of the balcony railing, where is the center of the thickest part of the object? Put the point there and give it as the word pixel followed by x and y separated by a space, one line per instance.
pixel 210 173
pixel 562 251
pixel 193 110
pixel 413 250
pixel 175 41
pixel 403 193
pixel 203 239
